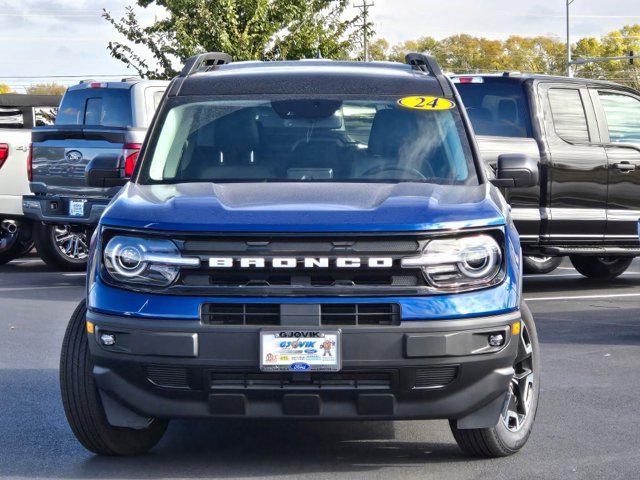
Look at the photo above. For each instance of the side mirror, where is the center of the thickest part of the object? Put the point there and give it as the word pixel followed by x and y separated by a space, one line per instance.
pixel 516 170
pixel 104 171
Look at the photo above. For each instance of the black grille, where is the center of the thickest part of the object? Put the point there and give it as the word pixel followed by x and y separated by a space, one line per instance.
pixel 241 313
pixel 301 280
pixel 168 377
pixel 334 314
pixel 359 314
pixel 434 377
pixel 311 381
pixel 271 246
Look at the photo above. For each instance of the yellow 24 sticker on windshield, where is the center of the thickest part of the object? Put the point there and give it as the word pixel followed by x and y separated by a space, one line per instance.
pixel 426 103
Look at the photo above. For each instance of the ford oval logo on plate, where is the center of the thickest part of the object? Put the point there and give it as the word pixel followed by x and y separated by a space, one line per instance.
pixel 299 367
pixel 73 155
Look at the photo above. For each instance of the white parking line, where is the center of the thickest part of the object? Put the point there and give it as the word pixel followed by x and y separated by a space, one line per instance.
pixel 77 274
pixel 46 287
pixel 582 297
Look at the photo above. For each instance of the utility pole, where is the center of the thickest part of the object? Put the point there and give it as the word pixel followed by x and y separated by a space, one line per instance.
pixel 364 8
pixel 569 62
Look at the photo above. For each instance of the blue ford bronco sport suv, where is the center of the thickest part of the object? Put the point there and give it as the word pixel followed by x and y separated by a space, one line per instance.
pixel 305 240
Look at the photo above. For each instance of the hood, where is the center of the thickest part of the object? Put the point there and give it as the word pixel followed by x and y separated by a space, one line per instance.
pixel 305 207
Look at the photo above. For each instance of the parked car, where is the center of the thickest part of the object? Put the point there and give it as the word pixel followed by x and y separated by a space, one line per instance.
pixel 19 113
pixel 95 118
pixel 305 240
pixel 586 136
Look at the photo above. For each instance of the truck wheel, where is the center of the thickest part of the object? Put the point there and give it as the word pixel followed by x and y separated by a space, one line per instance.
pixel 14 237
pixel 516 421
pixel 537 264
pixel 62 246
pixel 82 404
pixel 601 268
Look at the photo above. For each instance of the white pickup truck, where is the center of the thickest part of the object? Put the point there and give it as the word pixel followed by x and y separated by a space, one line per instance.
pixel 19 113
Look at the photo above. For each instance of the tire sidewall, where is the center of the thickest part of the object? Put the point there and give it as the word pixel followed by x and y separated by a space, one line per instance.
pixel 598 268
pixel 514 441
pixel 540 267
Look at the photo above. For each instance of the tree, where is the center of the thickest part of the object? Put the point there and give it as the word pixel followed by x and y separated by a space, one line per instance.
pixel 379 49
pixel 422 44
pixel 541 54
pixel 47 89
pixel 245 29
pixel 4 88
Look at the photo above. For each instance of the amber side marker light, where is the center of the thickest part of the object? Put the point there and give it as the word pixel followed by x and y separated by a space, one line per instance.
pixel 90 327
pixel 515 328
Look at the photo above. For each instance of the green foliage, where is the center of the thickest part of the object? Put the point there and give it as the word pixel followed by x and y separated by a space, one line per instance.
pixel 245 29
pixel 4 88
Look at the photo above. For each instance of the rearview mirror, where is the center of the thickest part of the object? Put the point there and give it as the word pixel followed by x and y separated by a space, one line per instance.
pixel 104 171
pixel 516 170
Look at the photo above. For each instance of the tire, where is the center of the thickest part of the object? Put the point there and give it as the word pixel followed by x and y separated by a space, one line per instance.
pixel 82 404
pixel 601 268
pixel 538 264
pixel 515 424
pixel 14 236
pixel 26 248
pixel 51 246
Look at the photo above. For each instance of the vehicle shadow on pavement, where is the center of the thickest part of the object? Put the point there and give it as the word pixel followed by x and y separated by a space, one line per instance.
pixel 36 442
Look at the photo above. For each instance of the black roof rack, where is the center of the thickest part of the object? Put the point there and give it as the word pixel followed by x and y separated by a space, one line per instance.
pixel 204 62
pixel 428 64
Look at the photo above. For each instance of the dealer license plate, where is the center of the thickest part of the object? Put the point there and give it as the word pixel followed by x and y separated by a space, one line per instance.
pixel 76 208
pixel 300 350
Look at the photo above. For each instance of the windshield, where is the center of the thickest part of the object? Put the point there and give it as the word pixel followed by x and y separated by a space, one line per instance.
pixel 307 139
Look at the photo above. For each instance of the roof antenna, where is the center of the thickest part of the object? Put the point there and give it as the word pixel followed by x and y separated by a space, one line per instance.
pixel 319 54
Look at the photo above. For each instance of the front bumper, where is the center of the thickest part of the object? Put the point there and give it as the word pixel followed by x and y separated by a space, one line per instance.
pixel 416 370
pixel 55 209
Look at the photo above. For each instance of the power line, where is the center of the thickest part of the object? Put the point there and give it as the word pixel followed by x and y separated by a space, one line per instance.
pixel 364 8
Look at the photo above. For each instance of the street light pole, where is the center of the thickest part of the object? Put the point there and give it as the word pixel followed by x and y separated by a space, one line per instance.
pixel 569 63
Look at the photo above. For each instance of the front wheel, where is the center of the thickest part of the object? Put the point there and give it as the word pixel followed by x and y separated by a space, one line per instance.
pixel 519 412
pixel 537 264
pixel 65 247
pixel 82 404
pixel 601 268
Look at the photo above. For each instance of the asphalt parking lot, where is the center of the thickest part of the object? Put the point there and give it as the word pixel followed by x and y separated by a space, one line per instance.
pixel 588 424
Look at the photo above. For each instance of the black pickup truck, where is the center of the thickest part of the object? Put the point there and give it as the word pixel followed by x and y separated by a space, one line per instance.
pixel 586 134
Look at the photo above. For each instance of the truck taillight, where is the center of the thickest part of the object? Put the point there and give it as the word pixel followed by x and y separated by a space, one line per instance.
pixel 4 153
pixel 131 151
pixel 30 163
pixel 468 80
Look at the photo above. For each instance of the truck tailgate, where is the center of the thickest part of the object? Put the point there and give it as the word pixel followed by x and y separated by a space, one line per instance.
pixel 61 154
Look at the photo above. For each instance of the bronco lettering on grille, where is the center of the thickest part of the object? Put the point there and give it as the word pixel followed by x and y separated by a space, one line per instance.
pixel 306 262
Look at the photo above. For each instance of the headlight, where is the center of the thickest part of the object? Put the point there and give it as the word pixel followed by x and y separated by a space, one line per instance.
pixel 145 261
pixel 459 263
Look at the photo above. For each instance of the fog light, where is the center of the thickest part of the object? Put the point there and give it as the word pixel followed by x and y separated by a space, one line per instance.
pixel 496 339
pixel 108 339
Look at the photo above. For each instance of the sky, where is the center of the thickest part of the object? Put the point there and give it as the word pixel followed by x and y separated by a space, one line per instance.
pixel 64 40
